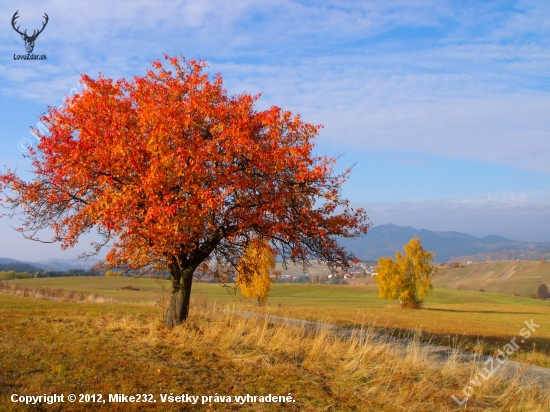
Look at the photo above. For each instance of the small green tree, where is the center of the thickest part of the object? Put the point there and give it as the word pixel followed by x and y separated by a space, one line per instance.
pixel 542 291
pixel 409 277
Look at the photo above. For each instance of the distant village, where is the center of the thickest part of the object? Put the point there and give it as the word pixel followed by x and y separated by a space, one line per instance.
pixel 357 270
pixel 315 274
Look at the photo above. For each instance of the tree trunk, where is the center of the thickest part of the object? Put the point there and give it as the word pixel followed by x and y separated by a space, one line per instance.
pixel 178 308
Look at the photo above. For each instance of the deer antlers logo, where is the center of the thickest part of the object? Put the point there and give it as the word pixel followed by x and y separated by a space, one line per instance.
pixel 29 40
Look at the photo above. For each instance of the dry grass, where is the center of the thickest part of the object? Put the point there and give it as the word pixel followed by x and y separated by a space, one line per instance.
pixel 448 316
pixel 520 278
pixel 63 347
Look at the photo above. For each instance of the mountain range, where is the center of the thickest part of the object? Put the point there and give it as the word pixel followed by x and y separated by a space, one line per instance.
pixel 387 239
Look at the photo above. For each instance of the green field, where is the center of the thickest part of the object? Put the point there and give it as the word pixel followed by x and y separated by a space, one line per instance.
pixel 476 320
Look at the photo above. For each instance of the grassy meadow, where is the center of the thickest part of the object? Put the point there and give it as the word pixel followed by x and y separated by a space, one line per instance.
pixel 480 321
pixel 100 348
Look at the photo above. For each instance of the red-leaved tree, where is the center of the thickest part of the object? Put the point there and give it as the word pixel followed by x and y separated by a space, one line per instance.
pixel 176 175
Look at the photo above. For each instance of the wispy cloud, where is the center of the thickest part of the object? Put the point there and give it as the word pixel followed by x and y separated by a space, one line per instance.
pixel 464 80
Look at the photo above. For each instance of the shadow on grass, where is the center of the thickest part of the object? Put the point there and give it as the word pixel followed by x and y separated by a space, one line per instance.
pixel 482 311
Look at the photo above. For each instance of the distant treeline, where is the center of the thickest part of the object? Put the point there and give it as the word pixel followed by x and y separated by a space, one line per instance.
pixel 12 274
pixel 512 254
pixel 62 273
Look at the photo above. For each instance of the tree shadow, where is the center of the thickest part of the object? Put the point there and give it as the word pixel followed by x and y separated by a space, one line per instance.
pixel 483 311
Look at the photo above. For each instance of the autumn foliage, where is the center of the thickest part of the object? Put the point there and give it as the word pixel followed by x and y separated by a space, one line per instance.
pixel 255 271
pixel 172 172
pixel 409 277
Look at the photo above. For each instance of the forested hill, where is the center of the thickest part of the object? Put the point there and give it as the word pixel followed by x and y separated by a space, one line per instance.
pixel 10 264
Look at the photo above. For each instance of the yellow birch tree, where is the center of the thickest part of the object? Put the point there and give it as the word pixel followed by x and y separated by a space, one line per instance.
pixel 409 277
pixel 255 269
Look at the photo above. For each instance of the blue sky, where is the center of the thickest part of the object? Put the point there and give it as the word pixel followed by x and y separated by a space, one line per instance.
pixel 443 106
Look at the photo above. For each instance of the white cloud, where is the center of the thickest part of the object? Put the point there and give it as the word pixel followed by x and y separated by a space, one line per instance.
pixel 476 89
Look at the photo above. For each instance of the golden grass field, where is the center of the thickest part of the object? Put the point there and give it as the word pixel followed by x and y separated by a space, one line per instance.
pixel 477 320
pixel 505 277
pixel 65 347
pixel 112 340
